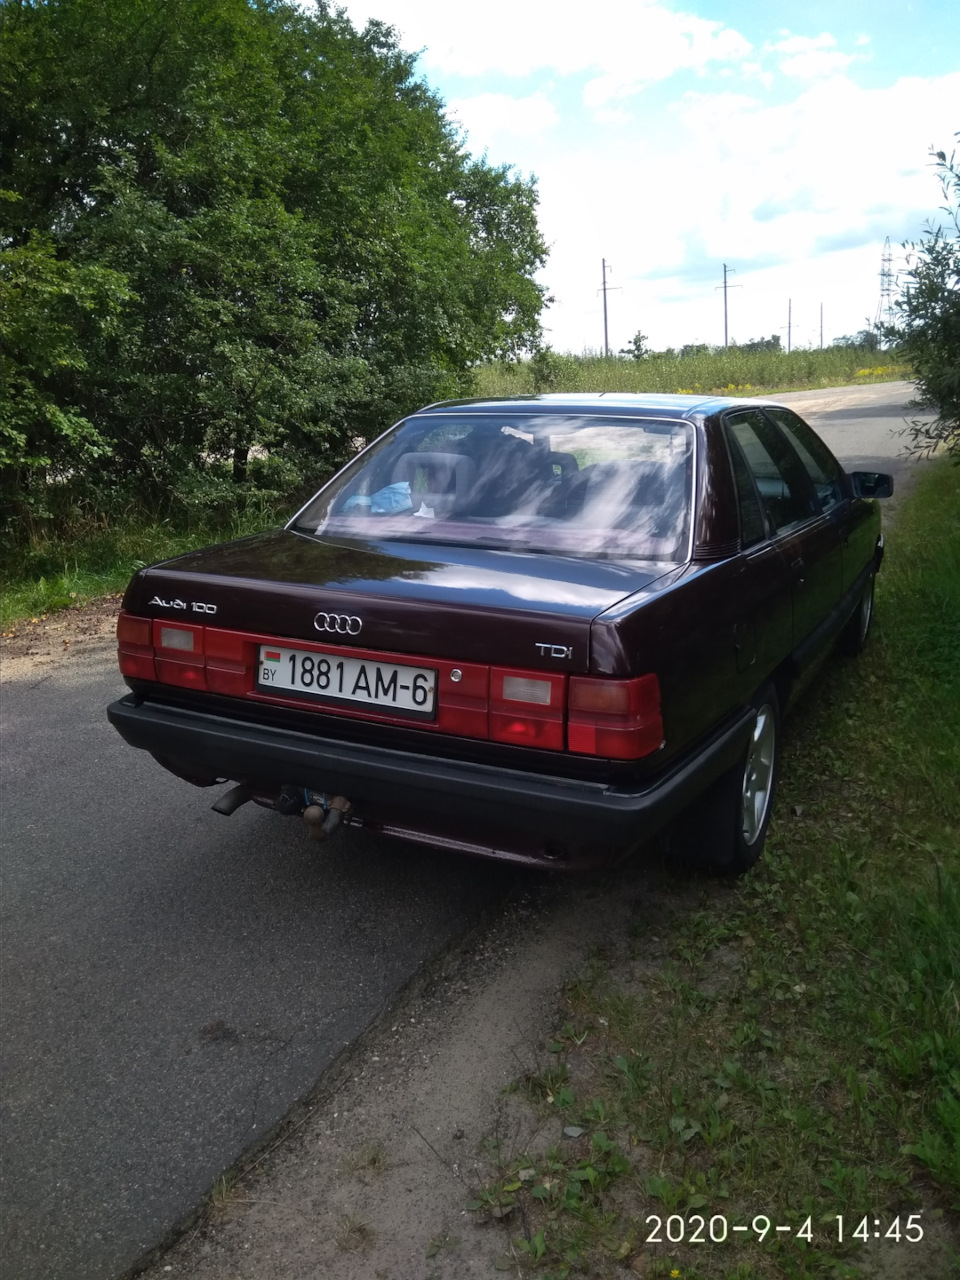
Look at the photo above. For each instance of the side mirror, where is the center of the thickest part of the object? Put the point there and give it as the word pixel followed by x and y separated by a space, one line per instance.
pixel 871 484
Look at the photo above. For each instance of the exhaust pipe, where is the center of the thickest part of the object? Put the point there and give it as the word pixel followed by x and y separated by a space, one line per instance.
pixel 232 800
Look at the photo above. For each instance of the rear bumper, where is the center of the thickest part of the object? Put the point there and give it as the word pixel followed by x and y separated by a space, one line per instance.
pixel 475 808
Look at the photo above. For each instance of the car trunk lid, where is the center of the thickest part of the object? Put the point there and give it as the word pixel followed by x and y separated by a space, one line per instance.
pixel 467 604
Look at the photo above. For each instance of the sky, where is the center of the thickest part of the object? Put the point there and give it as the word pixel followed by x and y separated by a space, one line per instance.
pixel 785 140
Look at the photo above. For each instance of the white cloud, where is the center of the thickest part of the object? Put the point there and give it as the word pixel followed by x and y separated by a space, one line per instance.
pixel 755 71
pixel 614 118
pixel 804 44
pixel 782 176
pixel 811 57
pixel 491 114
pixel 622 44
pixel 795 195
pixel 815 64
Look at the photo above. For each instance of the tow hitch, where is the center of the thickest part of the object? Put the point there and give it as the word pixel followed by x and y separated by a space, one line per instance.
pixel 323 820
pixel 321 814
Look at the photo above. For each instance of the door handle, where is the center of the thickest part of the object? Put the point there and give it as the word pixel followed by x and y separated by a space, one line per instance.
pixel 797 568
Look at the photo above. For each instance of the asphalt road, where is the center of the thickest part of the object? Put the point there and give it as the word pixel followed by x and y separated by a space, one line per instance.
pixel 862 425
pixel 173 981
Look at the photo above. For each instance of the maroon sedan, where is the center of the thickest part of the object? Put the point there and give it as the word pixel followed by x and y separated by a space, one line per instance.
pixel 535 629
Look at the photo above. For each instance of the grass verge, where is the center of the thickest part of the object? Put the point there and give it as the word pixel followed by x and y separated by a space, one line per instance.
pixel 730 372
pixel 59 572
pixel 788 1050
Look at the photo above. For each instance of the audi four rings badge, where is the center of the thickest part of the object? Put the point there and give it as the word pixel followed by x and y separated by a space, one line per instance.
pixel 341 624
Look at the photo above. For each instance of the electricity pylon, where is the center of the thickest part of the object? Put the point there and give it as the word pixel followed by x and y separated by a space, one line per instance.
pixel 885 305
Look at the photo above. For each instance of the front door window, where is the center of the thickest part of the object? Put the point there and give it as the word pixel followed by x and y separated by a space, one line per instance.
pixel 821 466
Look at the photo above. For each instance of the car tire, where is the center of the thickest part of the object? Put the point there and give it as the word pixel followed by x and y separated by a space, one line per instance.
pixel 854 635
pixel 726 831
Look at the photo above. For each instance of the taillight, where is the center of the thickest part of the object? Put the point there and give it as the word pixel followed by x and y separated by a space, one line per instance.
pixel 179 654
pixel 463 700
pixel 619 719
pixel 179 638
pixel 231 659
pixel 526 707
pixel 135 647
pixel 193 657
pixel 133 631
pixel 183 638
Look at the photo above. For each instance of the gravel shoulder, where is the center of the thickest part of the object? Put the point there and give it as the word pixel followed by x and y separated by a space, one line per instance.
pixel 86 633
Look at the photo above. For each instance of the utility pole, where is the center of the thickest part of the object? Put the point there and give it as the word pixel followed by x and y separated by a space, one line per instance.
pixel 606 339
pixel 725 286
pixel 821 326
pixel 789 323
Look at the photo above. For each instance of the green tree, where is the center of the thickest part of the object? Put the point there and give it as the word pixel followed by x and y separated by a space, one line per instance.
pixel 50 314
pixel 928 317
pixel 304 247
pixel 865 340
pixel 636 348
pixel 771 344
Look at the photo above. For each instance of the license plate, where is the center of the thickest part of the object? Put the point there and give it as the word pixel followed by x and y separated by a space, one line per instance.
pixel 334 678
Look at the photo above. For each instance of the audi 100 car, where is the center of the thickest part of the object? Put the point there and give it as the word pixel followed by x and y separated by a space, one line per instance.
pixel 539 629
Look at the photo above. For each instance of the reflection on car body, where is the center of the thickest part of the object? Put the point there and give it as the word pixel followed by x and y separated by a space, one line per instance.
pixel 537 629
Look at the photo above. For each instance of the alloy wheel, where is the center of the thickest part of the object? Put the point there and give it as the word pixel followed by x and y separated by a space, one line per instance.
pixel 758 774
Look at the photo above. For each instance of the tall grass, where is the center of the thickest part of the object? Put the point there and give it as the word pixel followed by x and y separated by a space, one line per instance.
pixel 56 571
pixel 730 370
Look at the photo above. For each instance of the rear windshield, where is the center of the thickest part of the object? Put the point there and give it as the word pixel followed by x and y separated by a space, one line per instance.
pixel 571 485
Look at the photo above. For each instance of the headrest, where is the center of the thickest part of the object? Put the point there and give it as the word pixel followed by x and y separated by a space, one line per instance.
pixel 446 472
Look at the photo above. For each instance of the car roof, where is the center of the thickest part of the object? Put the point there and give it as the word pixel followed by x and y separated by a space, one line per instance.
pixel 601 402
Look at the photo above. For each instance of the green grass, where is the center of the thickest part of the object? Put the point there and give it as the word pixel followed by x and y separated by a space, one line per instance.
pixel 57 572
pixel 796 1053
pixel 730 371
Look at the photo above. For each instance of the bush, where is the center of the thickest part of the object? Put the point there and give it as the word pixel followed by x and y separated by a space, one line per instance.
pixel 928 327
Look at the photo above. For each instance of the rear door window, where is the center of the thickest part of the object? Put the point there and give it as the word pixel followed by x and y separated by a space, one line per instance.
pixel 753 528
pixel 784 488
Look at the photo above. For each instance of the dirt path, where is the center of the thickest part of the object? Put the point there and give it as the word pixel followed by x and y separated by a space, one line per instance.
pixel 41 641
